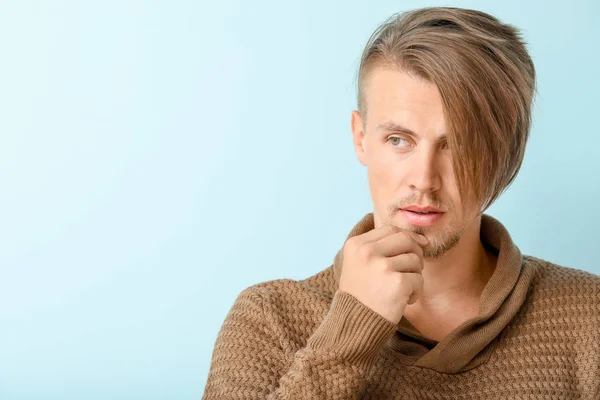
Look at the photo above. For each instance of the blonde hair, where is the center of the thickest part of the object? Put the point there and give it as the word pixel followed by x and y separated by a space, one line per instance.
pixel 486 80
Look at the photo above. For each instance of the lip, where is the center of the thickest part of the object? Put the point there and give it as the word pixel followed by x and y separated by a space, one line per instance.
pixel 415 219
pixel 415 207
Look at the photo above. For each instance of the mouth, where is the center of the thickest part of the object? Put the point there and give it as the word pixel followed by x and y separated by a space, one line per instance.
pixel 421 218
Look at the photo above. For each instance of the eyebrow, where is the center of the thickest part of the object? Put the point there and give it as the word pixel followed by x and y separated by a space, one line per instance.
pixel 394 127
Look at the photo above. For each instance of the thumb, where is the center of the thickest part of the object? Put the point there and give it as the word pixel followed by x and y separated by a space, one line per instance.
pixel 421 239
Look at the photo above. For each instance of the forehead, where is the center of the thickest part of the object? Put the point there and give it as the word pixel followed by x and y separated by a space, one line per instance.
pixel 392 94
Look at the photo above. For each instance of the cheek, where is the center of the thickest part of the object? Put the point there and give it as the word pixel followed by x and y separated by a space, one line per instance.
pixel 383 166
pixel 382 172
pixel 383 181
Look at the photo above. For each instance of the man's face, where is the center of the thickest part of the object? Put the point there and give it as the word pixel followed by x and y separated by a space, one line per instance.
pixel 408 161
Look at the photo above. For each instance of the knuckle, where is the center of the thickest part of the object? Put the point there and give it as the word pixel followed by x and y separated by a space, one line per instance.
pixel 400 280
pixel 351 242
pixel 414 258
pixel 387 264
pixel 351 245
pixel 366 251
pixel 392 228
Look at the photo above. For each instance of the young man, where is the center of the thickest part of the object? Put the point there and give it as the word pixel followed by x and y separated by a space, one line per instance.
pixel 429 298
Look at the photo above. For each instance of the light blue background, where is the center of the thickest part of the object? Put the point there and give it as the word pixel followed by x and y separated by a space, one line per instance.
pixel 158 157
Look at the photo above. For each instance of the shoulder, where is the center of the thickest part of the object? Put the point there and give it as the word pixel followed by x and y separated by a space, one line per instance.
pixel 291 308
pixel 551 275
pixel 558 284
pixel 319 285
pixel 287 294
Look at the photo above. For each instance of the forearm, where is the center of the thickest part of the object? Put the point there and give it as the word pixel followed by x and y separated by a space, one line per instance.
pixel 334 364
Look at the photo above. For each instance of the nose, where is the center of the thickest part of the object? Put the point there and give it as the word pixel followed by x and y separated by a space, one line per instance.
pixel 424 174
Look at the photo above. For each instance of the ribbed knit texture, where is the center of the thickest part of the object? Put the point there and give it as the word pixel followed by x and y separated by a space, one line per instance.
pixel 537 337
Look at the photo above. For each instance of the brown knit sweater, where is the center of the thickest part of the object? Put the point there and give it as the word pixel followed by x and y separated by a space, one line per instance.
pixel 537 337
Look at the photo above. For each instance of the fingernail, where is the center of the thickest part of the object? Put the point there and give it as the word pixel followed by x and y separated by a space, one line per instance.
pixel 423 238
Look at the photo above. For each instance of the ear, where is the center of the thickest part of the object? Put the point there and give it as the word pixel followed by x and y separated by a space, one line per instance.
pixel 358 136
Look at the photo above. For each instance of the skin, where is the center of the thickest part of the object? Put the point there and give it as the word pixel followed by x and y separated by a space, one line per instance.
pixel 416 168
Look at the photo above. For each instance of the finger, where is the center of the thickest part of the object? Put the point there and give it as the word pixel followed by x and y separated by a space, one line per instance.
pixel 386 230
pixel 422 240
pixel 407 263
pixel 378 233
pixel 399 243
pixel 416 284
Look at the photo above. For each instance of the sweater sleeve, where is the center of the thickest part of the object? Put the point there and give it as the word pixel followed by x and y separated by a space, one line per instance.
pixel 249 360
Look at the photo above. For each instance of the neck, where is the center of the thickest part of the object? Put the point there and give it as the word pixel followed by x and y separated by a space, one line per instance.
pixel 454 283
pixel 460 273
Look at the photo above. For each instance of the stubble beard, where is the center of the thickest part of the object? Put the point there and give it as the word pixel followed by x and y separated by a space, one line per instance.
pixel 440 243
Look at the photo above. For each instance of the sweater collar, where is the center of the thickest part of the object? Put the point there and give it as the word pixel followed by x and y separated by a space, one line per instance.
pixel 501 299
